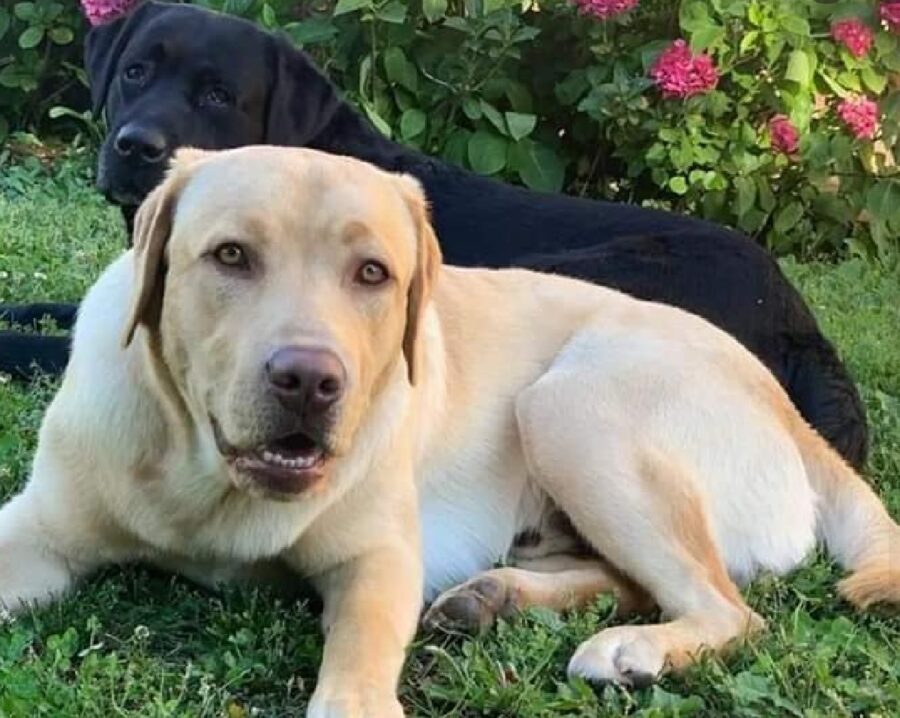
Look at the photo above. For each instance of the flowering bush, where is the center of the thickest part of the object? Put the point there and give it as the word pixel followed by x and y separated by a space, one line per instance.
pixel 678 72
pixel 785 138
pixel 860 114
pixel 778 117
pixel 605 9
pixel 853 35
pixel 890 14
pixel 102 11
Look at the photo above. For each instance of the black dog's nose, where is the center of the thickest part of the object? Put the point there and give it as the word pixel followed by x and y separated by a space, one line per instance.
pixel 306 380
pixel 140 141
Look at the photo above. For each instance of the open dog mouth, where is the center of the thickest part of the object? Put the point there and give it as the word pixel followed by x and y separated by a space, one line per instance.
pixel 289 464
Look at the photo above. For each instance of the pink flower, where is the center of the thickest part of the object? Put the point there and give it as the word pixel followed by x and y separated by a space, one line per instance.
pixel 605 9
pixel 785 138
pixel 890 15
pixel 680 73
pixel 853 35
pixel 860 114
pixel 99 12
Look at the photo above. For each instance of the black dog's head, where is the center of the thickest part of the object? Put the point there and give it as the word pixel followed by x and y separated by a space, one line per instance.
pixel 169 76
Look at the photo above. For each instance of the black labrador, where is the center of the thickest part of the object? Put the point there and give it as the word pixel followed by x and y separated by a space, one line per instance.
pixel 175 75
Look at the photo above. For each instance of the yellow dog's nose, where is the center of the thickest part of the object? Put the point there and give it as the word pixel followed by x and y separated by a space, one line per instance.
pixel 306 380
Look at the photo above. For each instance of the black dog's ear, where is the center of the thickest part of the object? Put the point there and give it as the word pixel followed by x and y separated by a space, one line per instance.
pixel 104 45
pixel 302 101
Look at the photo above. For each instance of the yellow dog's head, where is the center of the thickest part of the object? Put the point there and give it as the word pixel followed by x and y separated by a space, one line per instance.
pixel 282 290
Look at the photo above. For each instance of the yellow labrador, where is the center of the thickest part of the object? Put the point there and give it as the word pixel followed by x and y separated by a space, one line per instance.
pixel 301 381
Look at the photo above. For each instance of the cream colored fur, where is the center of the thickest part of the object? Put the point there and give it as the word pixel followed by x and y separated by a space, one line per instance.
pixel 538 403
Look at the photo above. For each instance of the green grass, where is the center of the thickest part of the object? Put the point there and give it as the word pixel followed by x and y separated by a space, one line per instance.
pixel 132 642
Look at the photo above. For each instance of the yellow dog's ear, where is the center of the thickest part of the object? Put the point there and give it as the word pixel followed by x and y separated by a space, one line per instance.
pixel 152 227
pixel 428 263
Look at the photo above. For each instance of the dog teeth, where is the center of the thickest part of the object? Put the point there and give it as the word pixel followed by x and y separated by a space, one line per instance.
pixel 277 459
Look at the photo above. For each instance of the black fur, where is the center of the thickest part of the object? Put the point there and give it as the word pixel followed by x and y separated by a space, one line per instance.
pixel 279 97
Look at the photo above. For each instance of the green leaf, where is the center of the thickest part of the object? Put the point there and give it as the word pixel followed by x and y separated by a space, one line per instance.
pixel 394 13
pixel 347 6
pixel 380 123
pixel 766 196
pixel 472 108
pixel 61 35
pixel 796 25
pixel 798 69
pixel 850 81
pixel 774 47
pixel 519 96
pixel 755 14
pixel 456 147
pixel 787 217
pixel 5 21
pixel 678 185
pixel 570 90
pixel 520 124
pixel 31 37
pixel 268 16
pixel 693 15
pixel 882 200
pixel 494 5
pixel 875 82
pixel 58 111
pixel 17 77
pixel 746 195
pixel 651 51
pixel 53 11
pixel 748 41
pixel 400 70
pixel 311 32
pixel 25 11
pixel 833 84
pixel 412 123
pixel 706 37
pixel 459 24
pixel 434 10
pixel 238 7
pixel 538 166
pixel 494 117
pixel 487 153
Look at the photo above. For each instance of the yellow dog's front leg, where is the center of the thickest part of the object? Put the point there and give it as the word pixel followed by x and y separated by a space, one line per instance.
pixel 372 605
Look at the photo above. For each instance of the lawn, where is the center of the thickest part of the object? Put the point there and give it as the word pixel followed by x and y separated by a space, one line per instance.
pixel 132 642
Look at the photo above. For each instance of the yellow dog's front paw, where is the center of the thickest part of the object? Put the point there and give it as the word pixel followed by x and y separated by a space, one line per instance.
pixel 352 704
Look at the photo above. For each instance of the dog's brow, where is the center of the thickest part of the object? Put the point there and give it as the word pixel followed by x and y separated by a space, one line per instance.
pixel 235 228
pixel 209 73
pixel 356 231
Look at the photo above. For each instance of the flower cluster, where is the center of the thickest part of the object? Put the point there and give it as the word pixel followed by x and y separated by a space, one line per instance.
pixel 853 35
pixel 860 114
pixel 99 12
pixel 890 15
pixel 605 9
pixel 678 72
pixel 785 138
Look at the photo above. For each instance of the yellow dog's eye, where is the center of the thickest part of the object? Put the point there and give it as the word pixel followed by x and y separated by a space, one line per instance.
pixel 372 273
pixel 231 254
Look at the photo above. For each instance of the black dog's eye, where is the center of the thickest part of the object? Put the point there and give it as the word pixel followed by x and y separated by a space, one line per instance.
pixel 372 273
pixel 216 96
pixel 231 254
pixel 135 73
